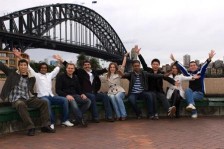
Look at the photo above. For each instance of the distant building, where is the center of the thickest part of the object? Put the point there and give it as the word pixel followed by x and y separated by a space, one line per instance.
pixel 219 71
pixel 186 60
pixel 213 71
pixel 53 63
pixel 9 59
pixel 133 54
pixel 197 62
pixel 46 60
pixel 218 64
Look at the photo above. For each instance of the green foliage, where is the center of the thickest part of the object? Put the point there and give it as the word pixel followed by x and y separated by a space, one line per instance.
pixel 95 64
pixel 80 58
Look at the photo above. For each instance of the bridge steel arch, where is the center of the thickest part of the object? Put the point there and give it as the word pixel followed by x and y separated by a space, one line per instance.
pixel 27 27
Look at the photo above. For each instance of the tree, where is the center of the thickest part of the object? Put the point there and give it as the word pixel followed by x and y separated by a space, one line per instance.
pixel 80 59
pixel 95 64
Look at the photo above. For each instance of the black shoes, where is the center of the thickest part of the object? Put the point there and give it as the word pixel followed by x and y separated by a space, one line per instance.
pixel 139 116
pixel 48 129
pixel 31 132
pixel 83 123
pixel 110 119
pixel 80 122
pixel 95 120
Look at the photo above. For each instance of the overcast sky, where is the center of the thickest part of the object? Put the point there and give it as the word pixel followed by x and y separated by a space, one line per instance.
pixel 159 27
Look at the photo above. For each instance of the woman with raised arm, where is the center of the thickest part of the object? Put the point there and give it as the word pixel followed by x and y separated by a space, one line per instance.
pixel 116 92
pixel 176 93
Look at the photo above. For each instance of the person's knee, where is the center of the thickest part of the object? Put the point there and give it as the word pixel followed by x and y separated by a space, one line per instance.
pixel 188 90
pixel 131 99
pixel 20 105
pixel 73 104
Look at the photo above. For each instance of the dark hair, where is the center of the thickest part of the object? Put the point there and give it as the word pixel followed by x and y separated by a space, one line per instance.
pixel 70 64
pixel 86 61
pixel 135 61
pixel 41 64
pixel 22 61
pixel 155 60
pixel 178 69
pixel 192 62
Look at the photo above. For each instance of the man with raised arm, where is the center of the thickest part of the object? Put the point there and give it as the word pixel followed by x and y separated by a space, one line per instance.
pixel 138 88
pixel 90 85
pixel 44 90
pixel 18 89
pixel 196 88
pixel 156 84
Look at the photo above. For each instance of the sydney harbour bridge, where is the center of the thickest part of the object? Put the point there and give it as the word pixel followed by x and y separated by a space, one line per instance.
pixel 65 27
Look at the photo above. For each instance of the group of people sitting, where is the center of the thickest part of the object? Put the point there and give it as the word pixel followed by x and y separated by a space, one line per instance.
pixel 79 90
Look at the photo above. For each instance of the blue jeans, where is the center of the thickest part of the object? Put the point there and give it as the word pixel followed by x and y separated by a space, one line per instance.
pixel 192 96
pixel 84 106
pixel 57 100
pixel 106 102
pixel 118 104
pixel 133 97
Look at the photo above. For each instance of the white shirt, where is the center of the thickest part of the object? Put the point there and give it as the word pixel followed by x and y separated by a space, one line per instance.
pixel 90 77
pixel 44 82
pixel 180 78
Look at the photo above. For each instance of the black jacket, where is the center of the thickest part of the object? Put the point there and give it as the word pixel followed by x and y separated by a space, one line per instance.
pixel 84 79
pixel 13 78
pixel 155 84
pixel 66 85
pixel 144 78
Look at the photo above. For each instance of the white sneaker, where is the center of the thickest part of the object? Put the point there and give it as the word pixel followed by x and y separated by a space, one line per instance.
pixel 172 111
pixel 190 107
pixel 194 115
pixel 52 126
pixel 68 123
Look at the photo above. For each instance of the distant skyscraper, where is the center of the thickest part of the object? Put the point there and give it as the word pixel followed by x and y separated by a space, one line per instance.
pixel 187 59
pixel 133 54
pixel 46 60
pixel 197 62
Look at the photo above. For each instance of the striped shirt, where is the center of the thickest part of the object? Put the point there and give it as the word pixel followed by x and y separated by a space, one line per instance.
pixel 20 90
pixel 137 87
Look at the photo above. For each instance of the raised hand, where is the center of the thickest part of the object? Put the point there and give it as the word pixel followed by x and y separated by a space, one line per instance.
pixel 172 57
pixel 137 50
pixel 57 57
pixel 211 54
pixel 126 54
pixel 17 52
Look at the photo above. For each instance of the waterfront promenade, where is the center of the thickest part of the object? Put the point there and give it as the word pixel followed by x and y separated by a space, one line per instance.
pixel 186 133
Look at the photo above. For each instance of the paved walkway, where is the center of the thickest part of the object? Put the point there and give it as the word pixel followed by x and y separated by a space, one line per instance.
pixel 204 132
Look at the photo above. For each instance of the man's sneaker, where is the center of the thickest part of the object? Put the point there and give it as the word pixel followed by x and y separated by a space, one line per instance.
pixel 139 116
pixel 83 123
pixel 156 117
pixel 195 115
pixel 52 126
pixel 47 129
pixel 190 107
pixel 67 123
pixel 172 111
pixel 31 132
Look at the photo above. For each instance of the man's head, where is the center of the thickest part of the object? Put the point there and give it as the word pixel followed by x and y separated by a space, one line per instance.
pixel 155 63
pixel 193 66
pixel 86 65
pixel 43 68
pixel 70 69
pixel 136 66
pixel 23 66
